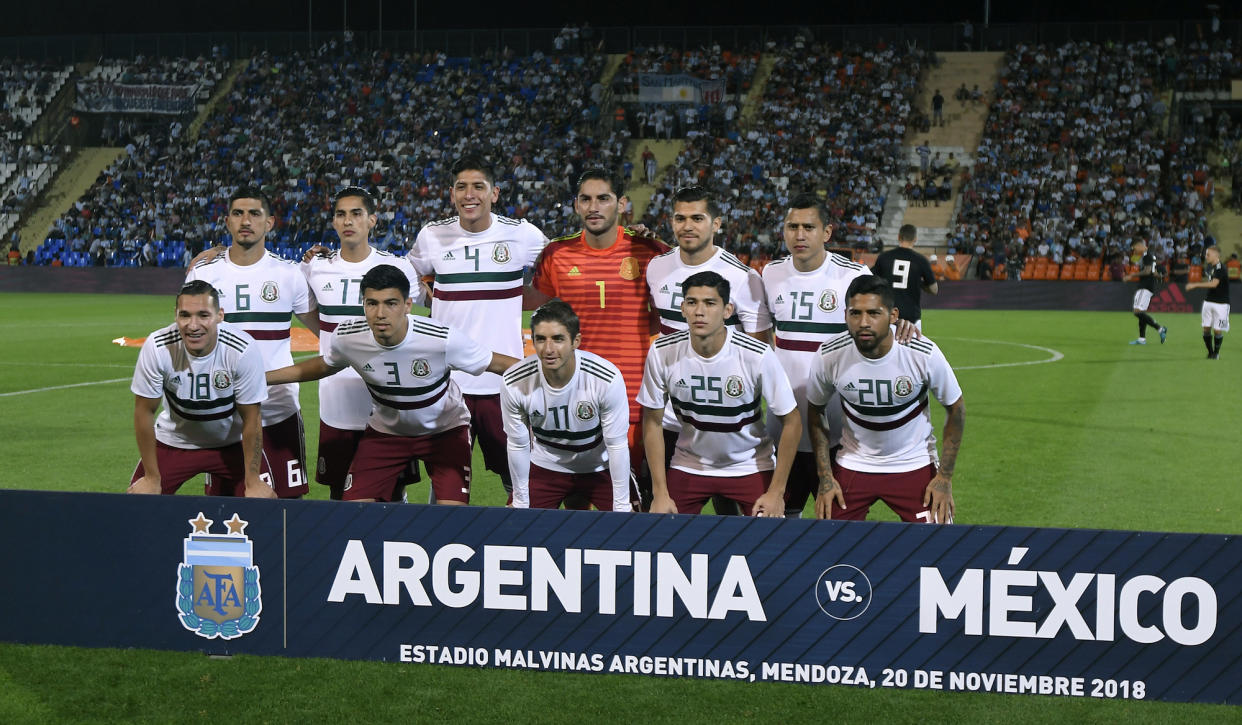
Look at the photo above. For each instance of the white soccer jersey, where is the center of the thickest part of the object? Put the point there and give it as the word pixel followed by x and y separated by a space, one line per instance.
pixel 809 308
pixel 337 285
pixel 409 383
pixel 886 424
pixel 200 393
pixel 261 299
pixel 478 285
pixel 718 401
pixel 579 428
pixel 665 274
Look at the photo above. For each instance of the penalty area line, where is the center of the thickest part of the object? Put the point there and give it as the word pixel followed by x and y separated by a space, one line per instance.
pixel 1053 355
pixel 63 387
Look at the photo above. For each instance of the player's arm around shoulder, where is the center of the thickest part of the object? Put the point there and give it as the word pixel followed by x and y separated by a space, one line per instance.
pixel 315 368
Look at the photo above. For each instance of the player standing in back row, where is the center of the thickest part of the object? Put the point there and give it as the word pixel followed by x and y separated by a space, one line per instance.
pixel 479 260
pixel 260 293
pixel 602 273
pixel 335 279
pixel 1147 276
pixel 1215 313
pixel 696 221
pixel 910 274
pixel 806 294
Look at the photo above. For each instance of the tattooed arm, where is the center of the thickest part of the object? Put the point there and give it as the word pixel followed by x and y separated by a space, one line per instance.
pixel 828 489
pixel 252 451
pixel 939 493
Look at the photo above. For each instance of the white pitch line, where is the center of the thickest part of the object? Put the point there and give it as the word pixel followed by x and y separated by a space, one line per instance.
pixel 63 387
pixel 1055 354
pixel 68 365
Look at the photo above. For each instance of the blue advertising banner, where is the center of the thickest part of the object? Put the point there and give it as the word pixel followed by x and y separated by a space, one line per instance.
pixel 1112 614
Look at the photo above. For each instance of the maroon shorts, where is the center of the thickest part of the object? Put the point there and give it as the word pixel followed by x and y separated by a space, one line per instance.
pixel 336 451
pixel 489 430
pixel 690 491
pixel 903 492
pixel 225 465
pixel 284 446
pixel 337 447
pixel 548 489
pixel 381 458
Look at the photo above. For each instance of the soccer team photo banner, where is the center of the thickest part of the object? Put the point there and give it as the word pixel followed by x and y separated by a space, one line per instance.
pixel 1084 613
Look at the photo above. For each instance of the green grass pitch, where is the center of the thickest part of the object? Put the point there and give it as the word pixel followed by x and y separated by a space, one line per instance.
pixel 1066 426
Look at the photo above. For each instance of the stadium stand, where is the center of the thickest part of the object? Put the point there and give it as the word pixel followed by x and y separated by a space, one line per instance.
pixel 1075 160
pixel 302 126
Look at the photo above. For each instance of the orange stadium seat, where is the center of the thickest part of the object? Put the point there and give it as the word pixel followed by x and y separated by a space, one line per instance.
pixel 1196 274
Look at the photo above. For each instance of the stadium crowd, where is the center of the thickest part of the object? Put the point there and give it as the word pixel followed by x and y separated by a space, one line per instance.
pixel 843 143
pixel 304 126
pixel 1075 161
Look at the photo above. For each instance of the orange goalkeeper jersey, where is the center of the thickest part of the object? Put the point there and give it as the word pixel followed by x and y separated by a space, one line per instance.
pixel 608 290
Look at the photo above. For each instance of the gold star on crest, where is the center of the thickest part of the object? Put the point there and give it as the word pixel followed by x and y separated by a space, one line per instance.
pixel 236 525
pixel 201 524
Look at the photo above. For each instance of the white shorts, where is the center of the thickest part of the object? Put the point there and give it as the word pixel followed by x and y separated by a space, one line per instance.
pixel 1215 315
pixel 1142 298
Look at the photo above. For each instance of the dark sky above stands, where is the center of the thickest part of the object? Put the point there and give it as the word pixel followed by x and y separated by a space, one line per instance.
pixel 146 16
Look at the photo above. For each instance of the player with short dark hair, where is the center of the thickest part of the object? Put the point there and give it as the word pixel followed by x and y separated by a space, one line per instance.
pixel 417 412
pixel 479 260
pixel 260 292
pixel 717 381
pixel 888 447
pixel 566 417
pixel 602 273
pixel 696 220
pixel 1215 312
pixel 1147 276
pixel 335 279
pixel 806 294
pixel 909 273
pixel 209 374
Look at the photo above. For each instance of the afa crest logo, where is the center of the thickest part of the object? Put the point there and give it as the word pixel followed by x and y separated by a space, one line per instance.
pixel 217 582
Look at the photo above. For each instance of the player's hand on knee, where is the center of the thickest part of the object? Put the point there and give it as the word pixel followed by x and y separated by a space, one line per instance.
pixel 829 491
pixel 146 484
pixel 938 498
pixel 663 505
pixel 256 488
pixel 770 506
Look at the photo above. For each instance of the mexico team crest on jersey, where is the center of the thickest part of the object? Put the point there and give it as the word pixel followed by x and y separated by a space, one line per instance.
pixel 903 386
pixel 500 253
pixel 269 292
pixel 420 368
pixel 217 582
pixel 586 411
pixel 734 387
pixel 828 300
pixel 629 268
pixel 220 379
